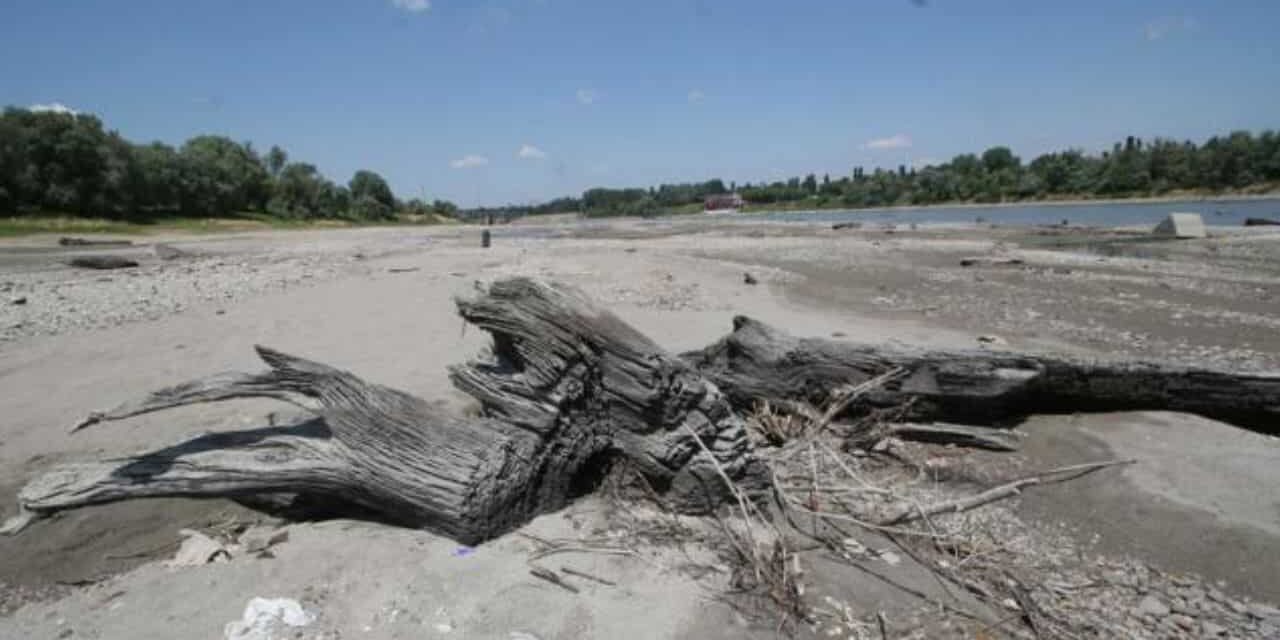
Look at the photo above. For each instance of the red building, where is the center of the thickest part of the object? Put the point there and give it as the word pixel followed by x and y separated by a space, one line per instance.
pixel 723 202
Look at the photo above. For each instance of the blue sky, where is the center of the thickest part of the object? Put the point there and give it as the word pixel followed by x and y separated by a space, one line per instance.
pixel 521 100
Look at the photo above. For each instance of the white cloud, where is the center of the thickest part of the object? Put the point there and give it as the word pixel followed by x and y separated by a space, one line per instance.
pixel 468 162
pixel 588 96
pixel 898 141
pixel 412 6
pixel 531 152
pixel 696 96
pixel 1167 26
pixel 53 107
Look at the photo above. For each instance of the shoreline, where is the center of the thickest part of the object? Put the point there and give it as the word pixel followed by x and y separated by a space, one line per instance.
pixel 1073 202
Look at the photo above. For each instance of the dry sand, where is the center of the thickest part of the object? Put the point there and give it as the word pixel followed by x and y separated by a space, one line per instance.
pixel 83 342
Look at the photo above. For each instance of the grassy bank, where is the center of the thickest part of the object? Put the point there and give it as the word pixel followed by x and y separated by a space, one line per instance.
pixel 247 221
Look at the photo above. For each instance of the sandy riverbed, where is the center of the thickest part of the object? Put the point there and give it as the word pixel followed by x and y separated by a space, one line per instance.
pixel 378 302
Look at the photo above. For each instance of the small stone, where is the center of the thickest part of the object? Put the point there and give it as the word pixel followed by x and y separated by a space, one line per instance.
pixel 1153 606
pixel 19 301
pixel 258 539
pixel 994 340
pixel 1264 612
pixel 1211 630
pixel 747 278
pixel 1184 622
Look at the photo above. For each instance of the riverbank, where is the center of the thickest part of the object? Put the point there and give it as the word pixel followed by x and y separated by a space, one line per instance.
pixel 1269 192
pixel 375 301
pixel 38 224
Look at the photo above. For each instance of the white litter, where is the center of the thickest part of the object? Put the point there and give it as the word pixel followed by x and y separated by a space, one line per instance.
pixel 263 617
pixel 892 558
pixel 1181 225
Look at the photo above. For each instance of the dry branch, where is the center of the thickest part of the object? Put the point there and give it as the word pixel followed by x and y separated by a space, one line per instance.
pixel 1001 492
pixel 757 363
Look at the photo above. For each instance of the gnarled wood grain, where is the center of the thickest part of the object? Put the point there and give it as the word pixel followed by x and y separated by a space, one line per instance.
pixel 758 362
pixel 567 387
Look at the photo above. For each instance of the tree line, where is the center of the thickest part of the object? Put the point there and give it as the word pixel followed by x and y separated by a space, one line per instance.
pixel 1238 161
pixel 67 163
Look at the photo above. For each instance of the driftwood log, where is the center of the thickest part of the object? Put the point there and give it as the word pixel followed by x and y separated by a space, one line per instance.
pixel 102 262
pixel 83 242
pixel 758 362
pixel 568 388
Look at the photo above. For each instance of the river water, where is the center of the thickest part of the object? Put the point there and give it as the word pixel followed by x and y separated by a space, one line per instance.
pixel 1113 214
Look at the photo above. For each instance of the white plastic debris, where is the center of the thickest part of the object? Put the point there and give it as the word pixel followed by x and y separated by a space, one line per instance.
pixel 263 617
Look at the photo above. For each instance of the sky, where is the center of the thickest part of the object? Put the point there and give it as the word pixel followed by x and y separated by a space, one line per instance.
pixel 516 101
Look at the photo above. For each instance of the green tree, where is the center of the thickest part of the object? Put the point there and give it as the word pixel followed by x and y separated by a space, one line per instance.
pixel 999 159
pixel 367 185
pixel 160 177
pixel 221 176
pixel 277 158
pixel 301 192
pixel 444 208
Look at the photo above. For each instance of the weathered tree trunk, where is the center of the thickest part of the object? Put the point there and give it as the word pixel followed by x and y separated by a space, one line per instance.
pixel 102 262
pixel 568 387
pixel 757 362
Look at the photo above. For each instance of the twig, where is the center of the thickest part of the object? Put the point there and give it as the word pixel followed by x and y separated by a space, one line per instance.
pixel 980 633
pixel 82 582
pixel 851 473
pixel 843 397
pixel 733 488
pixel 550 576
pixel 583 574
pixel 999 493
pixel 571 549
pixel 862 523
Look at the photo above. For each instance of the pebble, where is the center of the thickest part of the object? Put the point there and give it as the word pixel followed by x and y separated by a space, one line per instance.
pixel 1185 622
pixel 21 300
pixel 1210 629
pixel 1153 606
pixel 1264 612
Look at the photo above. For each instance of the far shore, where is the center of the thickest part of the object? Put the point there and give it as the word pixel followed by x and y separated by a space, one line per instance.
pixel 19 226
pixel 1068 202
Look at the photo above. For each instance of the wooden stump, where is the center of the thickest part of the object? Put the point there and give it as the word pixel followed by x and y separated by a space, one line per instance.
pixel 567 388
